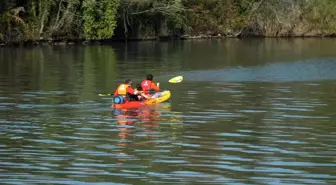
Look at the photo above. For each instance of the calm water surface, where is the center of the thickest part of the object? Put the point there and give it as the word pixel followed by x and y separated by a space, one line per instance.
pixel 248 112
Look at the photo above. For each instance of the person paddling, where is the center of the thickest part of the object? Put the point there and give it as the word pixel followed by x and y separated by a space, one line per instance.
pixel 148 85
pixel 141 95
pixel 126 92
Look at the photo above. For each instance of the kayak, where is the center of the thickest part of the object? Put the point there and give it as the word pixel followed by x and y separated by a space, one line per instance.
pixel 164 96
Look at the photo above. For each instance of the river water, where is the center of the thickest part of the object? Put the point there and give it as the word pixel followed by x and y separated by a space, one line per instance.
pixel 254 111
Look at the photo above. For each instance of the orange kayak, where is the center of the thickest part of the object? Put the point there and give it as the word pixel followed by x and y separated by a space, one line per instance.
pixel 129 105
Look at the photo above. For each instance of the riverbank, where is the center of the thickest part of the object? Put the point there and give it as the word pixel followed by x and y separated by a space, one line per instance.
pixel 65 42
pixel 23 23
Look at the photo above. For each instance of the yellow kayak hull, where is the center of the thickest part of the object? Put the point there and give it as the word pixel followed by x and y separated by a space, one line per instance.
pixel 165 95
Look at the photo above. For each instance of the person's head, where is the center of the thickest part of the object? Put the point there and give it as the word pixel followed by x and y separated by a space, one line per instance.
pixel 139 87
pixel 149 77
pixel 128 81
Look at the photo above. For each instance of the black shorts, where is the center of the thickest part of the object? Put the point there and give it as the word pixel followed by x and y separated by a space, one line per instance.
pixel 132 97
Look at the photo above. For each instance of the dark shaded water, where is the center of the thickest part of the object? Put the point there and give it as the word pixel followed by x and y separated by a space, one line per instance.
pixel 248 112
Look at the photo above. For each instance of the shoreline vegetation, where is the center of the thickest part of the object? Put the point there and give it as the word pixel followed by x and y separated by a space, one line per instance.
pixel 67 22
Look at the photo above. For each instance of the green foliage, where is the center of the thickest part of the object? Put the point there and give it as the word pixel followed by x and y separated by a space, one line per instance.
pixel 320 15
pixel 9 21
pixel 211 16
pixel 176 18
pixel 102 19
pixel 141 18
pixel 99 18
pixel 10 17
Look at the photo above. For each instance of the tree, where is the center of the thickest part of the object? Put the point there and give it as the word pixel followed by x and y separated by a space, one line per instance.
pixel 100 18
pixel 9 19
pixel 157 17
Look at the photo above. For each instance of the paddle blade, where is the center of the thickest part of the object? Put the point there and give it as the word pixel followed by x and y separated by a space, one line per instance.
pixel 104 94
pixel 176 79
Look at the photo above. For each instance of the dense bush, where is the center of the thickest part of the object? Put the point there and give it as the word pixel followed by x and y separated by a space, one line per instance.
pixel 22 20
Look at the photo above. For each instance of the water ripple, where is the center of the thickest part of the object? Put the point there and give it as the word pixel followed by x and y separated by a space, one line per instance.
pixel 224 131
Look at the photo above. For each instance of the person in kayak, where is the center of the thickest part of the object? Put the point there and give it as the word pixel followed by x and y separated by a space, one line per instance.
pixel 148 85
pixel 126 91
pixel 141 94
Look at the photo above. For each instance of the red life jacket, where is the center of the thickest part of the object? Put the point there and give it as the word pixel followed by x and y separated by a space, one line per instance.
pixel 146 86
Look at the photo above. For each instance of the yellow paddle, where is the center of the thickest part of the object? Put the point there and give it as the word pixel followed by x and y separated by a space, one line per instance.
pixel 176 79
pixel 104 94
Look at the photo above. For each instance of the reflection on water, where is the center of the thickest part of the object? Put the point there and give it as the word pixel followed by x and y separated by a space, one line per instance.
pixel 126 120
pixel 261 123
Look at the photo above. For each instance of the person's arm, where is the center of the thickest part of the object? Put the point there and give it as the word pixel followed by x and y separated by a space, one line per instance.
pixel 131 91
pixel 116 93
pixel 153 86
pixel 143 95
